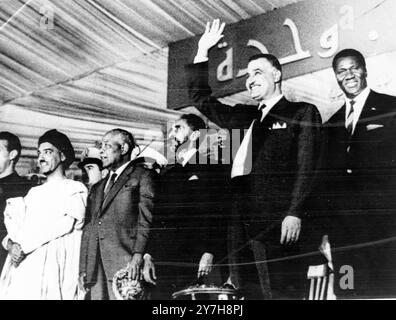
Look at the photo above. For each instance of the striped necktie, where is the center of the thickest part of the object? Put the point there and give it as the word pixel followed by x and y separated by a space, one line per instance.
pixel 111 183
pixel 350 117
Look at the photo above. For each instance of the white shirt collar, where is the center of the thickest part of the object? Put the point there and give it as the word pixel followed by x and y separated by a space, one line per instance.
pixel 360 100
pixel 119 171
pixel 272 101
pixel 188 155
pixel 269 105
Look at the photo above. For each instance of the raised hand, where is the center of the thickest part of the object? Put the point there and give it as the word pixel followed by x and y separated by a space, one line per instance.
pixel 213 34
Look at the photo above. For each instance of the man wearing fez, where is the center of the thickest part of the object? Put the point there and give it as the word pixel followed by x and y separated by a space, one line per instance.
pixel 11 184
pixel 45 228
pixel 120 211
pixel 361 183
pixel 272 173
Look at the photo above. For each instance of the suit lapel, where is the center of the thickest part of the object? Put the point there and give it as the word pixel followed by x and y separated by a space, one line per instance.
pixel 98 199
pixel 117 186
pixel 369 113
pixel 261 130
pixel 276 114
pixel 279 109
pixel 338 119
pixel 370 109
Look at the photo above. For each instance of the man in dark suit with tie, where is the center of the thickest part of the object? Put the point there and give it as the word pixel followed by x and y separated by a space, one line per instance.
pixel 272 173
pixel 11 184
pixel 119 213
pixel 189 233
pixel 360 183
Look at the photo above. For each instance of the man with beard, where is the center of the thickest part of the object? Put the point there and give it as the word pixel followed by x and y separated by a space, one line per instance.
pixel 45 228
pixel 191 215
pixel 11 184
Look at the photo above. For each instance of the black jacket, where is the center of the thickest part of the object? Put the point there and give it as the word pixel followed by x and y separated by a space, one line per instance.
pixel 361 170
pixel 285 153
pixel 191 214
pixel 11 186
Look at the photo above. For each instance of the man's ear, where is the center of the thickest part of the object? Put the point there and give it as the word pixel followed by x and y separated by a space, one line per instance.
pixel 124 148
pixel 62 157
pixel 13 154
pixel 277 75
pixel 195 135
pixel 135 152
pixel 104 173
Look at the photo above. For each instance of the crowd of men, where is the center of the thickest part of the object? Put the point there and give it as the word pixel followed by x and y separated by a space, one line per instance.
pixel 256 224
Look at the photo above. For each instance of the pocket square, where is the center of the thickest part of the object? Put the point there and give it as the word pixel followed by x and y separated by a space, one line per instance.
pixel 373 126
pixel 193 177
pixel 279 125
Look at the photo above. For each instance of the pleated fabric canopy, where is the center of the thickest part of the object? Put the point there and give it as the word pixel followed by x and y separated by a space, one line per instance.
pixel 87 66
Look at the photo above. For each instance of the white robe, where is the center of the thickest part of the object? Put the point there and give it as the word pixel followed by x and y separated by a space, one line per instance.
pixel 49 232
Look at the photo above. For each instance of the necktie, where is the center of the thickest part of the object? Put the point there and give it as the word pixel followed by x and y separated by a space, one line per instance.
pixel 263 112
pixel 111 183
pixel 242 164
pixel 349 120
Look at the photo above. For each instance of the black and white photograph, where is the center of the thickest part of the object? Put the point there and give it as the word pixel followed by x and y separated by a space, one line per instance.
pixel 220 151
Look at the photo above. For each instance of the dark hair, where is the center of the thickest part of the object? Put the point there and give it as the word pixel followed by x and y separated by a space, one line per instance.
pixel 193 121
pixel 126 136
pixel 269 57
pixel 13 143
pixel 349 53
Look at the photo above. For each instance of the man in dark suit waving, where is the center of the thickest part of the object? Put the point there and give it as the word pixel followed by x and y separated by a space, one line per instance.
pixel 119 210
pixel 272 172
pixel 361 182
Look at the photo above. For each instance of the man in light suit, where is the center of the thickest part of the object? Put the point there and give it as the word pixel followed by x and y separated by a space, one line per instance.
pixel 272 173
pixel 119 213
pixel 361 182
